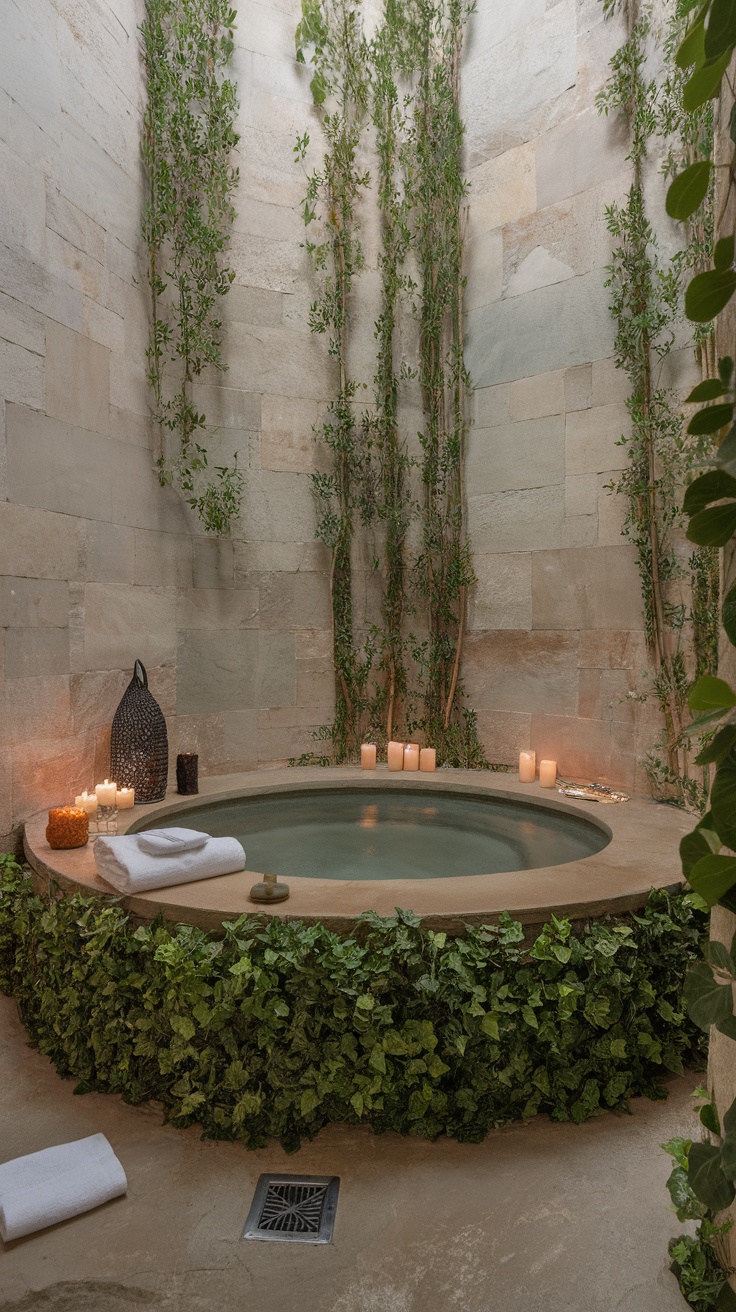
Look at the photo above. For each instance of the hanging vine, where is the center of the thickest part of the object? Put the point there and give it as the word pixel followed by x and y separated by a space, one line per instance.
pixel 187 143
pixel 646 296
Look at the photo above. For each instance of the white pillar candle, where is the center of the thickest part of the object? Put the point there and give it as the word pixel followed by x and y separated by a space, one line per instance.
pixel 527 767
pixel 547 774
pixel 368 756
pixel 411 756
pixel 106 793
pixel 395 756
pixel 87 801
pixel 125 798
pixel 428 759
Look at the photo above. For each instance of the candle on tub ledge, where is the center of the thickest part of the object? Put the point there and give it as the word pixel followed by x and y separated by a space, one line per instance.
pixel 428 759
pixel 547 774
pixel 411 756
pixel 395 756
pixel 368 756
pixel 87 801
pixel 106 793
pixel 125 798
pixel 527 767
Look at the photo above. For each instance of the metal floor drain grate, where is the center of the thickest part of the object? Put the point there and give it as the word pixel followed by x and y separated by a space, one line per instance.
pixel 298 1208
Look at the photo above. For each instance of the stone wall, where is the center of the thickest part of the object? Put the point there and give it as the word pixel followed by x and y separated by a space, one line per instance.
pixel 102 566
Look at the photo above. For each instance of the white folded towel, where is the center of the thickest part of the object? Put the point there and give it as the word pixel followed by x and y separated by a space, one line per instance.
pixel 164 842
pixel 57 1183
pixel 124 864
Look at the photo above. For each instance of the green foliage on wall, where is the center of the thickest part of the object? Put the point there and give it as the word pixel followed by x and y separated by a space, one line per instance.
pixel 699 1261
pixel 277 1029
pixel 188 138
pixel 401 671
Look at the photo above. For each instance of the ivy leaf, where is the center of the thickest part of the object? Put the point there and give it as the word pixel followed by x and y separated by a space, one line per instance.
pixel 719 746
pixel 708 1002
pixel 710 419
pixel 723 253
pixel 728 615
pixel 708 390
pixel 711 694
pixel 687 191
pixel 713 486
pixel 725 369
pixel 691 49
pixel 709 1118
pixel 705 83
pixel 713 527
pixel 707 294
pixel 723 802
pixel 720 34
pixel 703 841
pixel 706 1177
pixel 712 876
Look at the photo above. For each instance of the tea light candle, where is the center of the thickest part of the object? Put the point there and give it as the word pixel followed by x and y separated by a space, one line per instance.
pixel 106 793
pixel 125 798
pixel 527 767
pixel 547 774
pixel 395 756
pixel 87 801
pixel 368 756
pixel 428 759
pixel 411 756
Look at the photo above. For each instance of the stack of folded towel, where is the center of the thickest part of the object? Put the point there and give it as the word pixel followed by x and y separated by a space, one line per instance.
pixel 57 1183
pixel 157 858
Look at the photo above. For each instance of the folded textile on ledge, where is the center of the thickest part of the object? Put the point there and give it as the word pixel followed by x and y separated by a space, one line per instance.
pixel 57 1183
pixel 130 869
pixel 164 842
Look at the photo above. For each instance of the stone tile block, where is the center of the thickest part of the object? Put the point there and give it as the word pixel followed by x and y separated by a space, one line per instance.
pixel 276 678
pixel 110 553
pixel 610 385
pixel 293 601
pixel 610 649
pixel 21 375
pixel 581 748
pixel 124 623
pixel 77 379
pixel 239 749
pixel 48 772
pixel 36 652
pixel 36 708
pixel 576 155
pixel 283 499
pixel 504 734
pixel 540 268
pixel 162 559
pixel 27 603
pixel 94 698
pixel 22 325
pixel 213 563
pixel 514 670
pixel 579 387
pixel 278 557
pixel 589 694
pixel 533 398
pixel 74 225
pixel 218 608
pixel 315 685
pixel 523 455
pixel 78 269
pixel 217 671
pixel 502 190
pixel 579 531
pixel 37 287
pixel 491 406
pixel 22 203
pixel 612 508
pixel 502 597
pixel 517 521
pixel 487 27
pixel 586 588
pixel 254 305
pixel 313 644
pixel 484 269
pixel 544 330
pixel 581 495
pixel 593 437
pixel 289 442
pixel 229 407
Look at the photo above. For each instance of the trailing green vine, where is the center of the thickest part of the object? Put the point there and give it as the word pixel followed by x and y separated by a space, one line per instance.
pixel 188 138
pixel 700 1261
pixel 276 1028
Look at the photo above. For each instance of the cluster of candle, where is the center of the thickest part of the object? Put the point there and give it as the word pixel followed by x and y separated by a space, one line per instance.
pixel 401 756
pixel 528 770
pixel 106 794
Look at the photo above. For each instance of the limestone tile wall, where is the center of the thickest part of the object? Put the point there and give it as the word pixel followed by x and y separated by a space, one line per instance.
pixel 555 642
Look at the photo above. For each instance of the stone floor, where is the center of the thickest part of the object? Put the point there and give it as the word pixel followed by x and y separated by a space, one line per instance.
pixel 539 1217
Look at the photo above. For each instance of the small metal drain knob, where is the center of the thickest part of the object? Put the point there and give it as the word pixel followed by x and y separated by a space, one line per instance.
pixel 269 890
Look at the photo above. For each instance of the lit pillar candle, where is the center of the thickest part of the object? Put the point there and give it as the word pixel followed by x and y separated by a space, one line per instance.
pixel 87 801
pixel 547 774
pixel 106 793
pixel 411 756
pixel 527 767
pixel 395 756
pixel 368 756
pixel 428 759
pixel 125 798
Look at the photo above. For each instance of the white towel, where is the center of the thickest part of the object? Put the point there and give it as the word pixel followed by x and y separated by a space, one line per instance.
pixel 125 865
pixel 57 1183
pixel 164 842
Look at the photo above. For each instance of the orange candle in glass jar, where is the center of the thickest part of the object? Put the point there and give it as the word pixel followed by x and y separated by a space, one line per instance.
pixel 68 826
pixel 395 756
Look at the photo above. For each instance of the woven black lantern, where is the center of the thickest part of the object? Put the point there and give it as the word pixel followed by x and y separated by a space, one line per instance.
pixel 139 744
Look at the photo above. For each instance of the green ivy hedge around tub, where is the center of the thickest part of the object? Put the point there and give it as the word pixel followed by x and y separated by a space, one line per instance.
pixel 277 1029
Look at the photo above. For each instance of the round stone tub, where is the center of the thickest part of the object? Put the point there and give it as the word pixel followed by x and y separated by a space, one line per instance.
pixel 639 850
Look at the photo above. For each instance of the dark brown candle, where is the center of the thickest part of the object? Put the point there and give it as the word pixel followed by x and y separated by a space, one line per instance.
pixel 187 773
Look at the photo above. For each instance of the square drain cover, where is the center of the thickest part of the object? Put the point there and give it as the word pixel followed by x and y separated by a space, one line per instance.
pixel 299 1208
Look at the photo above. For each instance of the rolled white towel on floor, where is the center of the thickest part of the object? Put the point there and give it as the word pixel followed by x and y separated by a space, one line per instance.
pixel 57 1183
pixel 130 869
pixel 165 842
